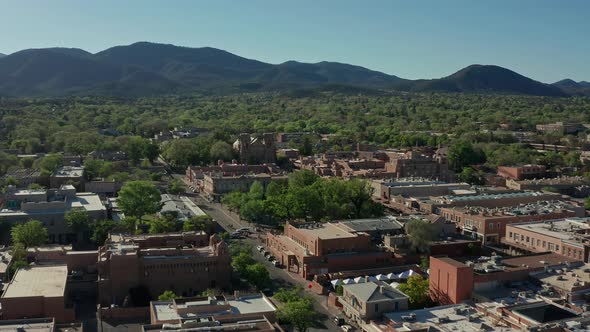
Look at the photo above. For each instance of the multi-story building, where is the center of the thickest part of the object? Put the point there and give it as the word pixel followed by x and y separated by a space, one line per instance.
pixel 416 164
pixel 68 175
pixel 415 187
pixel 50 207
pixel 569 237
pixel 38 325
pixel 483 198
pixel 196 174
pixel 217 185
pixel 367 301
pixel 180 262
pixel 318 248
pixel 559 127
pixel 576 186
pixel 23 176
pixel 240 312
pixel 254 150
pixel 454 281
pixel 38 292
pixel 522 172
pixel 489 224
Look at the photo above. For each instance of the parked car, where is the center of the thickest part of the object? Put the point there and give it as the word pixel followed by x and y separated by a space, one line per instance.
pixel 346 328
pixel 260 248
pixel 276 263
pixel 339 321
pixel 236 235
pixel 244 230
pixel 271 258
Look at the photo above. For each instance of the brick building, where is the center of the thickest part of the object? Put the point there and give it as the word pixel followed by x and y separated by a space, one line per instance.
pixel 522 172
pixel 455 280
pixel 568 237
pixel 318 248
pixel 180 262
pixel 489 224
pixel 38 292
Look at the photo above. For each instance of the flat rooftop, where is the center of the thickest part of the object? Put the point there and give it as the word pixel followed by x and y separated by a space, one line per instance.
pixel 445 318
pixel 544 312
pixel 325 231
pixel 566 278
pixel 47 281
pixel 372 224
pixel 69 171
pixel 249 304
pixel 560 228
pixel 28 325
pixel 489 196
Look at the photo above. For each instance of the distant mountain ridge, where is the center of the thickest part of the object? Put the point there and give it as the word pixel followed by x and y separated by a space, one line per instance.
pixel 145 68
pixel 574 88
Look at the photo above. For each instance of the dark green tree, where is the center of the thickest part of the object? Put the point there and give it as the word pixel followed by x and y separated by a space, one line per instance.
pixel 138 198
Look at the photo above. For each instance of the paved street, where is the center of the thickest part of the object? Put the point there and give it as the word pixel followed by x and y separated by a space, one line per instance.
pixel 281 278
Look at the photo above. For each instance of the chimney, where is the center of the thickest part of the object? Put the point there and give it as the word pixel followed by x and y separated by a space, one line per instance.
pixel 382 289
pixel 367 279
pixel 236 295
pixel 219 162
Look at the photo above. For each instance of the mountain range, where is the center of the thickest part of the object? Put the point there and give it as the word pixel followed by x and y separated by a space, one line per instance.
pixel 147 68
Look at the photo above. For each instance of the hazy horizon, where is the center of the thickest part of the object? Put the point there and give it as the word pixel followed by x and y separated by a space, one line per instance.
pixel 542 40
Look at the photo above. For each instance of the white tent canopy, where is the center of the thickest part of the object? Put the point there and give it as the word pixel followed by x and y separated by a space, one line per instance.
pixel 381 277
pixel 392 276
pixel 359 280
pixel 336 282
pixel 406 274
pixel 348 281
pixel 372 278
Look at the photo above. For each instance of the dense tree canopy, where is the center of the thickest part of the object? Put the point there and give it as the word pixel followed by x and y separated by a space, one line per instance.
pixel 305 196
pixel 29 234
pixel 138 198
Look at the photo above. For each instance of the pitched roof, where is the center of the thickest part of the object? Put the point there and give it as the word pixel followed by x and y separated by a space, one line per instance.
pixel 371 291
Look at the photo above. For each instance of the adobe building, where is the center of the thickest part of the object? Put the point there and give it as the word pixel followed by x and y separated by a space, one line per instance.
pixel 38 292
pixel 310 249
pixel 522 172
pixel 254 150
pixel 185 263
pixel 489 224
pixel 66 175
pixel 50 207
pixel 569 237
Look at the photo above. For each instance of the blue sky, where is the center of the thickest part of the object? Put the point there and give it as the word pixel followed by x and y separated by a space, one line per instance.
pixel 545 40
